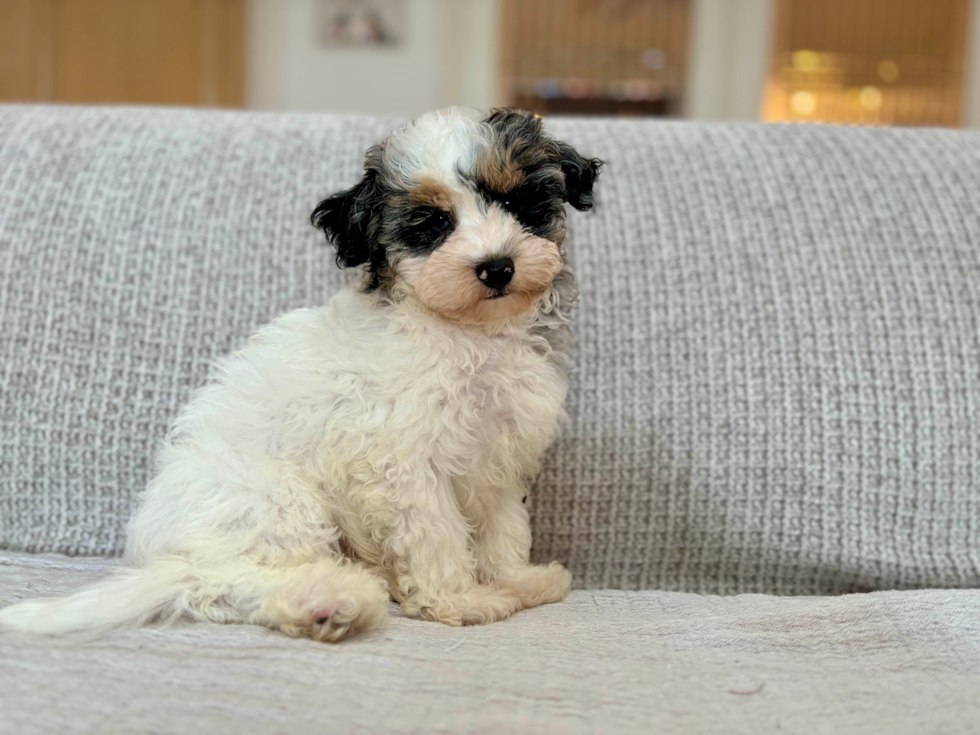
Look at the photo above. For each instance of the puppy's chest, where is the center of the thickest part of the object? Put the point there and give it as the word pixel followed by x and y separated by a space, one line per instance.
pixel 513 392
pixel 487 386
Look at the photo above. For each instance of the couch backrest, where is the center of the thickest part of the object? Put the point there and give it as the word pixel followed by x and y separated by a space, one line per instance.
pixel 778 383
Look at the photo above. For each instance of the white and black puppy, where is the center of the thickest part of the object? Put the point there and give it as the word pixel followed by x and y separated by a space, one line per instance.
pixel 381 444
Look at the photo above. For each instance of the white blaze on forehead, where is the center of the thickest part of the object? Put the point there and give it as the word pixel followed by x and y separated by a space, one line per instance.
pixel 437 144
pixel 467 208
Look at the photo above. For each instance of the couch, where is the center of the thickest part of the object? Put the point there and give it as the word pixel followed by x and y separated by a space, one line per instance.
pixel 768 490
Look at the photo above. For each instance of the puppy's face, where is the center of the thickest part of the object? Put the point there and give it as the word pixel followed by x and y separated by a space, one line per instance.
pixel 462 211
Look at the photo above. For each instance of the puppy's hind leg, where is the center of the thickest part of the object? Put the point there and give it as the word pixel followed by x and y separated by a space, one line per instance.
pixel 327 600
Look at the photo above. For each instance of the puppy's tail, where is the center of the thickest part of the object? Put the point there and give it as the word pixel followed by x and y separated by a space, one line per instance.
pixel 129 598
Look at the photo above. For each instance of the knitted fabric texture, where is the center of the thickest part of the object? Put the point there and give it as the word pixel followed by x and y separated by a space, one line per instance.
pixel 603 661
pixel 778 379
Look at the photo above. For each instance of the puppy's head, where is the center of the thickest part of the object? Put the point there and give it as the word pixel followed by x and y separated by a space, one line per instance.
pixel 462 211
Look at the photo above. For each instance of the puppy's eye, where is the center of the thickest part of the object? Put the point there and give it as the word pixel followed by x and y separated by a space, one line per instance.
pixel 534 210
pixel 440 224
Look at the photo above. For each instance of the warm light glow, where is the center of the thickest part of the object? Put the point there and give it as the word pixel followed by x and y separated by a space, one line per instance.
pixel 871 99
pixel 888 70
pixel 806 61
pixel 803 103
pixel 868 62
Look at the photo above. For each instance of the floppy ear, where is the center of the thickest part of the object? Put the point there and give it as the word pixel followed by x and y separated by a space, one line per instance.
pixel 580 175
pixel 350 220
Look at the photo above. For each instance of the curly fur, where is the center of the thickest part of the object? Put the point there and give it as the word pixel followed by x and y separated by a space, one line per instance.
pixel 383 443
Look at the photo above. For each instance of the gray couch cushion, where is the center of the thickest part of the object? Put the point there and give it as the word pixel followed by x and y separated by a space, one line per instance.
pixel 614 662
pixel 779 368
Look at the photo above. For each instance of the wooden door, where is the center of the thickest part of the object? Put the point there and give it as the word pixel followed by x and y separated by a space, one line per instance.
pixel 168 52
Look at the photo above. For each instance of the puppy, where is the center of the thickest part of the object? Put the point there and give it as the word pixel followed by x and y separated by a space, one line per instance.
pixel 380 445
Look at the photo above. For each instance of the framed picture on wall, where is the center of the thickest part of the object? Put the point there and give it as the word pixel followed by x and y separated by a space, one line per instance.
pixel 360 22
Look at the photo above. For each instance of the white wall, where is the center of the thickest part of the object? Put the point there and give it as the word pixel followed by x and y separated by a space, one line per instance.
pixel 471 53
pixel 971 106
pixel 730 42
pixel 448 55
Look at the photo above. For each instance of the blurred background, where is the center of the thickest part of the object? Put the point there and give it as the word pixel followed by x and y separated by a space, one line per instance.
pixel 873 62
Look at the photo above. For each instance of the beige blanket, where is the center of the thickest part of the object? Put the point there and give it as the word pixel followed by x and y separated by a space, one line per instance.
pixel 608 662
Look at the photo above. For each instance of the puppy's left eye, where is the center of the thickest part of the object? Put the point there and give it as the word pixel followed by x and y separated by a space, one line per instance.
pixel 533 211
pixel 440 224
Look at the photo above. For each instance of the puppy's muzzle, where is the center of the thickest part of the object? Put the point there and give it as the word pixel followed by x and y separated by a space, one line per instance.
pixel 495 274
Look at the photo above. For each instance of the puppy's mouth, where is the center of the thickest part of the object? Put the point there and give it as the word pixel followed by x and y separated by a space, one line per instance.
pixel 495 295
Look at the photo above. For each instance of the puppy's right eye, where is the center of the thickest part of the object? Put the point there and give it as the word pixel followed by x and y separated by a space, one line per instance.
pixel 426 228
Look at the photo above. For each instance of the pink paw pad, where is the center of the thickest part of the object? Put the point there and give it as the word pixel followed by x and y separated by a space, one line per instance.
pixel 321 616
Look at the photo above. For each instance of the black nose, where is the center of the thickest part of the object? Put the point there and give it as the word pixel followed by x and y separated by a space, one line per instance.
pixel 495 273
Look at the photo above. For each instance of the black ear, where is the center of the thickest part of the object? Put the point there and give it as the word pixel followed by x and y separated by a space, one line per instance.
pixel 350 221
pixel 580 175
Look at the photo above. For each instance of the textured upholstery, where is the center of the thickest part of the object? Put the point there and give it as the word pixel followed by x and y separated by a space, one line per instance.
pixel 778 382
pixel 601 662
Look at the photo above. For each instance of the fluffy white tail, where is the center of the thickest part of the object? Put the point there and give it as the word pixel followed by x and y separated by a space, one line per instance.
pixel 129 598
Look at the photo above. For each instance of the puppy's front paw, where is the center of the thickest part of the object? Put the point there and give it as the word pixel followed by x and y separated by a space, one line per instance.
pixel 476 606
pixel 537 585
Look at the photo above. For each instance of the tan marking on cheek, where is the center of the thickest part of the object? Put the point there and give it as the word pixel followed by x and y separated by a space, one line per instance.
pixel 446 281
pixel 536 263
